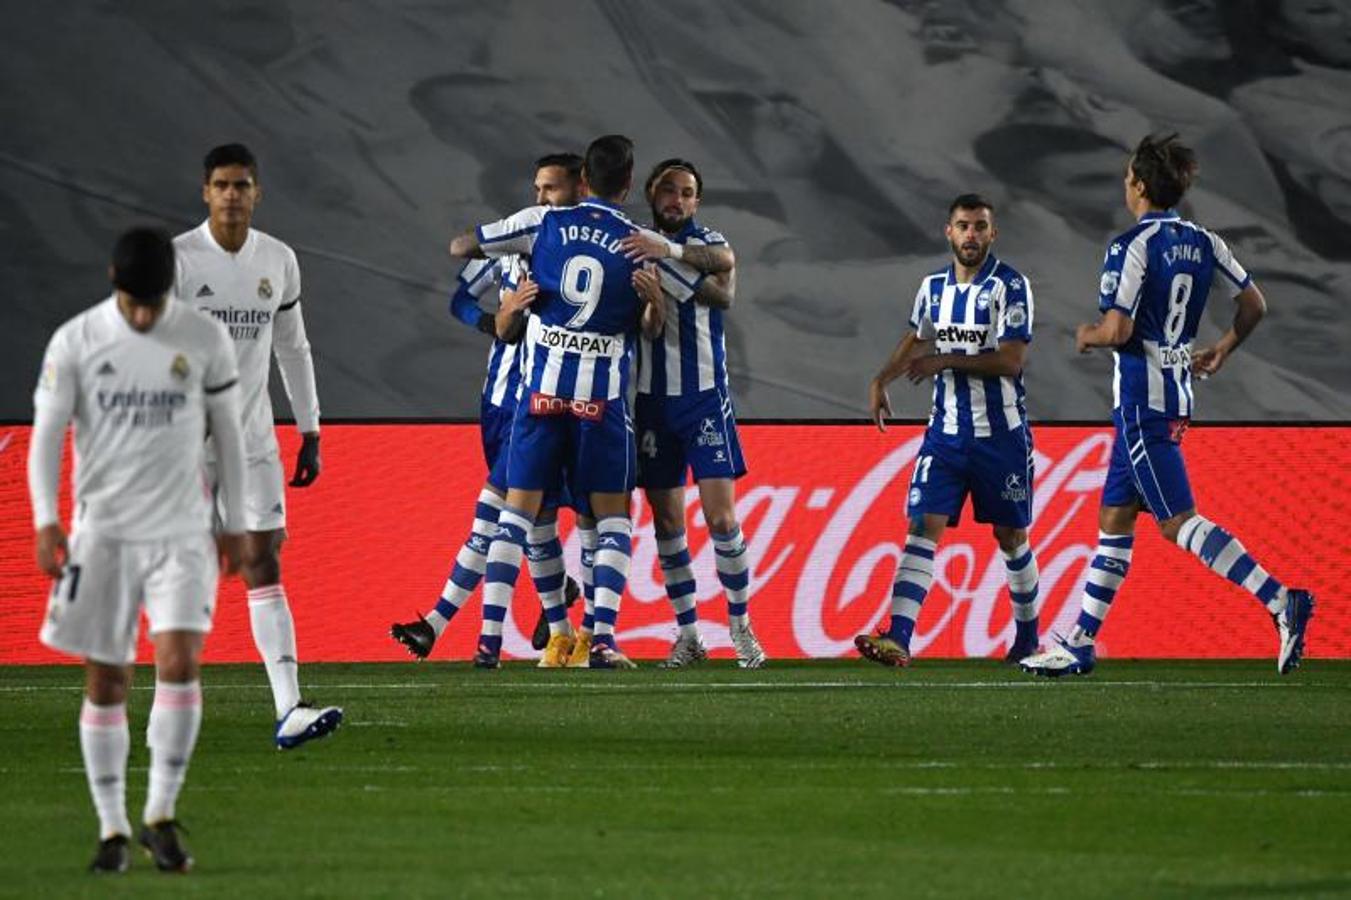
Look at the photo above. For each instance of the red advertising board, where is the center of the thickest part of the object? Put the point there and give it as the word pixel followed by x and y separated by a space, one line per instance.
pixel 372 542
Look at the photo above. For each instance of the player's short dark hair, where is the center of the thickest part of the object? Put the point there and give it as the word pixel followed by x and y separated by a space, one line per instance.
pixel 969 201
pixel 1165 166
pixel 143 264
pixel 568 161
pixel 609 165
pixel 675 162
pixel 228 155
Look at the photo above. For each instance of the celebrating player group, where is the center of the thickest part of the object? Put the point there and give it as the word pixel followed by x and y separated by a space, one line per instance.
pixel 607 372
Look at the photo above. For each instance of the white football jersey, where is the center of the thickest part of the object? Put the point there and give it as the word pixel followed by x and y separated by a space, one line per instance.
pixel 247 292
pixel 138 408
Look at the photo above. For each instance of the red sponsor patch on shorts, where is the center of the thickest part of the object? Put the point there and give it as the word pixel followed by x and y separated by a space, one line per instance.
pixel 547 405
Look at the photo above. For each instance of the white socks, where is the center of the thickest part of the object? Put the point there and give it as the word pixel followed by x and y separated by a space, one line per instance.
pixel 104 743
pixel 175 719
pixel 274 634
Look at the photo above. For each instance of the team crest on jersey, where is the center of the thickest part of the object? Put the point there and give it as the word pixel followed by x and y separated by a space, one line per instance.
pixel 1017 316
pixel 179 367
pixel 264 289
pixel 983 300
pixel 1109 282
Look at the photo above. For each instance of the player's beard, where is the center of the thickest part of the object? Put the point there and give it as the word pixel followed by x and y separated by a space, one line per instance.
pixel 667 224
pixel 971 258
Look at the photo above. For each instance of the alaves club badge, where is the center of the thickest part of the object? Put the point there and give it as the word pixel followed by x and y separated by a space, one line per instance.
pixel 179 367
pixel 264 289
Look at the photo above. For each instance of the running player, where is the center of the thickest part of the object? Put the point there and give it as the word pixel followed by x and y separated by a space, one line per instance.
pixel 684 412
pixel 573 418
pixel 1155 282
pixel 557 182
pixel 142 377
pixel 250 281
pixel 977 314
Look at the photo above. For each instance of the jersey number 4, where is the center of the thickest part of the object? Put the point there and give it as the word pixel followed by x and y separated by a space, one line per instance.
pixel 580 286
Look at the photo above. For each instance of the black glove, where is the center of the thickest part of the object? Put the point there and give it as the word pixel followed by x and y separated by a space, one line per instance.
pixel 307 462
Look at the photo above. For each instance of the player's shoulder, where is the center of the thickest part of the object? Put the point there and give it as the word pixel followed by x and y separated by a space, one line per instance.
pixel 272 246
pixel 937 275
pixel 86 327
pixel 1012 278
pixel 193 240
pixel 702 234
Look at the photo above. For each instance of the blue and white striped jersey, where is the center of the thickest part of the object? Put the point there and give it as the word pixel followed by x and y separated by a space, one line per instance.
pixel 691 354
pixel 579 339
pixel 970 319
pixel 478 276
pixel 1159 273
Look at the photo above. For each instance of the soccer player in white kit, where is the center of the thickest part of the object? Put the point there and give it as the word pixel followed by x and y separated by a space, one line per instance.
pixel 142 377
pixel 250 282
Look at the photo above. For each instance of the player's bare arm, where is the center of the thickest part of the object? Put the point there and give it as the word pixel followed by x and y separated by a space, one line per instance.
pixel 1112 330
pixel 645 246
pixel 879 404
pixel 1252 306
pixel 1007 360
pixel 648 285
pixel 717 291
pixel 466 246
pixel 510 318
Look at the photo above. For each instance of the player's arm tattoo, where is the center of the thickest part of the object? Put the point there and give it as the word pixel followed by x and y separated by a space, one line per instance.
pixel 717 291
pixel 709 259
pixel 466 246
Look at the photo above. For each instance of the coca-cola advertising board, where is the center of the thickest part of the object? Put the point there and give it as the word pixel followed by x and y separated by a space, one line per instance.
pixel 372 542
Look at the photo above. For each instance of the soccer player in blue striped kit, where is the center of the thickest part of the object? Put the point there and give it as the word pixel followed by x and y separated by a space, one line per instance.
pixel 684 412
pixel 572 420
pixel 557 182
pixel 1155 282
pixel 977 315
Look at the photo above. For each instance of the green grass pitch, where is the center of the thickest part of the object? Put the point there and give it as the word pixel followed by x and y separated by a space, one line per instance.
pixel 826 779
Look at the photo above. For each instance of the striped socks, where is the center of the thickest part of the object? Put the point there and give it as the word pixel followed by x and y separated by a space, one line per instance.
pixel 500 573
pixel 1225 556
pixel 678 576
pixel 1021 566
pixel 914 575
pixel 614 551
pixel 544 554
pixel 1110 564
pixel 734 573
pixel 470 562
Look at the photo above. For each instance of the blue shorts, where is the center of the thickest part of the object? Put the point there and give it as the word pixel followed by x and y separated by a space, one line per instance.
pixel 697 433
pixel 556 452
pixel 1147 465
pixel 494 425
pixel 996 471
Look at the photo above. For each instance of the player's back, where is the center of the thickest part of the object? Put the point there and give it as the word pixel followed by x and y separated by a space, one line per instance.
pixel 579 338
pixel 1160 273
pixel 140 418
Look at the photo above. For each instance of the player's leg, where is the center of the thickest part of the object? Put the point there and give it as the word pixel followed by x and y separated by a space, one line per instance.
pixel 718 498
pixel 470 562
pixel 105 742
pixel 1002 475
pixel 274 632
pixel 673 553
pixel 544 555
pixel 504 568
pixel 1225 555
pixel 171 735
pixel 614 553
pixel 587 537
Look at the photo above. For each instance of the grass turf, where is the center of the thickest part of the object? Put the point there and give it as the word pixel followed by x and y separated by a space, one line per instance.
pixel 804 779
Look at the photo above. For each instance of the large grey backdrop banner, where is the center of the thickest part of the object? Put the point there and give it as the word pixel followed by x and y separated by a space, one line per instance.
pixel 831 136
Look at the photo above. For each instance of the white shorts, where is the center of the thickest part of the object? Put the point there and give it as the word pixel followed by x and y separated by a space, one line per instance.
pixel 95 608
pixel 264 493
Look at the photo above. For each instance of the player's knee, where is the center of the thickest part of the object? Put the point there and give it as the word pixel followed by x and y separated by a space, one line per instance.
pixel 1171 527
pixel 262 568
pixel 107 685
pixel 1009 539
pixel 721 521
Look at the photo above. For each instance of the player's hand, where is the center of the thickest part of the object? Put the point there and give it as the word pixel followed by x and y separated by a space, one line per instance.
pixel 307 462
pixel 525 293
pixel 642 246
pixel 230 548
pixel 920 368
pixel 52 551
pixel 879 404
pixel 1081 334
pixel 1208 361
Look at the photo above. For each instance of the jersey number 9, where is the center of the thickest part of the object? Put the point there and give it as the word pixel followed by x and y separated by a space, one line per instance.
pixel 580 286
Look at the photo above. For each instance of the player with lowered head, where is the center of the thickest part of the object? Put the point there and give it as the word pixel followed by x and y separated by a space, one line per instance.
pixel 1155 282
pixel 977 315
pixel 142 377
pixel 684 410
pixel 250 282
pixel 586 300
pixel 557 181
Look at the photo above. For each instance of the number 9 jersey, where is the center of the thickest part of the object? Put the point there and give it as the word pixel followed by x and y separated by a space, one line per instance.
pixel 580 334
pixel 1159 274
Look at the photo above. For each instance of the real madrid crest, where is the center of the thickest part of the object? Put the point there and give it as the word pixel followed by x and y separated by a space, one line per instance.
pixel 179 367
pixel 264 289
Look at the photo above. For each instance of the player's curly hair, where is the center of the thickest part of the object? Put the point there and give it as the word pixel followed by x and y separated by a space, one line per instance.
pixel 1166 167
pixel 681 165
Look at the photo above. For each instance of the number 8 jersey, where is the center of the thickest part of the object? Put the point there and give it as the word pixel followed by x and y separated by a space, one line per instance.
pixel 1159 274
pixel 580 335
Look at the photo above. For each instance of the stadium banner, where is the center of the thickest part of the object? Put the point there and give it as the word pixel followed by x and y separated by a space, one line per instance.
pixel 372 542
